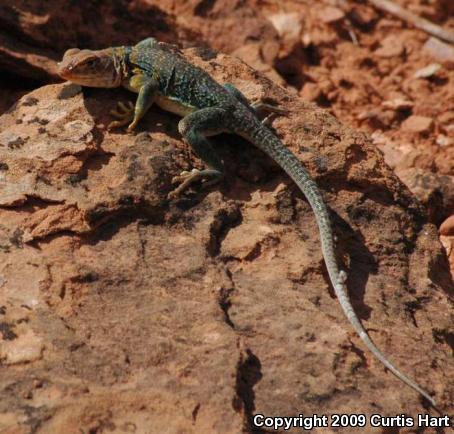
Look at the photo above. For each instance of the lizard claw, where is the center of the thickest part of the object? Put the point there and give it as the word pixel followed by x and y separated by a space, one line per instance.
pixel 184 175
pixel 272 110
pixel 187 178
pixel 124 113
pixel 127 108
pixel 267 120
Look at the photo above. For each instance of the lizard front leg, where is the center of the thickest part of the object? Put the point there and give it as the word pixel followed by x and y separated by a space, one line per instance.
pixel 194 128
pixel 146 87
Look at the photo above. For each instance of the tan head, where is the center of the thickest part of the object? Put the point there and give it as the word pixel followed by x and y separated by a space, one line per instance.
pixel 100 68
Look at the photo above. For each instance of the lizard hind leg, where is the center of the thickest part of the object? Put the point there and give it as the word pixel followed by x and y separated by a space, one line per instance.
pixel 257 107
pixel 194 128
pixel 234 91
pixel 273 111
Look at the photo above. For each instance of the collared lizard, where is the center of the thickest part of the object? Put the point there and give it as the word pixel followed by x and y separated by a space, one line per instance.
pixel 160 74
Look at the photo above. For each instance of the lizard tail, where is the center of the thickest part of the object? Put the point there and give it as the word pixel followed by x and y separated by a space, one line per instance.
pixel 265 140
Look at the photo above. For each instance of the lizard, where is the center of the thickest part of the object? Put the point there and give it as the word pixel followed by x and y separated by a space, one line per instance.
pixel 160 74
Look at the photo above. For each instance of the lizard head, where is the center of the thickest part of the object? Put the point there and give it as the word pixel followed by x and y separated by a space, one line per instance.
pixel 101 68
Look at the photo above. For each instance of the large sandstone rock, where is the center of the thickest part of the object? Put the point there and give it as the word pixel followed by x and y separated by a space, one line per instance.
pixel 121 311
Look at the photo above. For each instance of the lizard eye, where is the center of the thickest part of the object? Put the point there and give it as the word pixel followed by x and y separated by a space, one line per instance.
pixel 90 63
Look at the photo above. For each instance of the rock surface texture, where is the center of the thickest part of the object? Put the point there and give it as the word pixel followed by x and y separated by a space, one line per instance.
pixel 124 312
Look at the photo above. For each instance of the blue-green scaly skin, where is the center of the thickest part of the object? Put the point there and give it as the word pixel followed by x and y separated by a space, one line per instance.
pixel 179 79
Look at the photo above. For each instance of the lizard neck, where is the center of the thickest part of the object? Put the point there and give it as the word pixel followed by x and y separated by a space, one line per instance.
pixel 121 60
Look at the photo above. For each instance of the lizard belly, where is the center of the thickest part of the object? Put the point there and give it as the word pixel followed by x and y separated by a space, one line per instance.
pixel 174 106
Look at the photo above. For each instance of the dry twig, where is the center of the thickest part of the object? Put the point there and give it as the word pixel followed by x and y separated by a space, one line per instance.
pixel 420 23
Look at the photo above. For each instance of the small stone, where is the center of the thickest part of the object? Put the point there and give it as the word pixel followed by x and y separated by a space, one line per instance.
pixel 447 227
pixel 428 71
pixel 446 118
pixel 390 47
pixel 417 124
pixel 440 51
pixel 447 243
pixel 288 25
pixel 367 114
pixel 363 15
pixel 378 138
pixel 397 104
pixel 331 14
pixel 443 140
pixel 306 39
pixel 311 92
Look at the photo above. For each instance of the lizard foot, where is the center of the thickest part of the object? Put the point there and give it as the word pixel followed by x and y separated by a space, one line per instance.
pixel 187 178
pixel 271 109
pixel 124 113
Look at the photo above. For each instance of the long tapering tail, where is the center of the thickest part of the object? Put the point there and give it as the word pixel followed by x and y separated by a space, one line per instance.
pixel 265 140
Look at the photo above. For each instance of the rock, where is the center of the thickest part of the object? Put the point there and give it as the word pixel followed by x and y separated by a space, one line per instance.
pixel 448 244
pixel 311 92
pixel 363 15
pixel 224 25
pixel 253 55
pixel 390 47
pixel 395 153
pixel 417 124
pixel 331 14
pixel 443 140
pixel 427 71
pixel 440 51
pixel 447 227
pixel 435 191
pixel 288 25
pixel 397 104
pixel 23 349
pixel 446 117
pixel 188 315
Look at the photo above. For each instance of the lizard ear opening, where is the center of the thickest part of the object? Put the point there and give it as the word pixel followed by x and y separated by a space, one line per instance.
pixel 71 51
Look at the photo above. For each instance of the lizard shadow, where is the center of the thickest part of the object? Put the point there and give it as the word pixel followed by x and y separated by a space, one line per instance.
pixel 362 263
pixel 256 170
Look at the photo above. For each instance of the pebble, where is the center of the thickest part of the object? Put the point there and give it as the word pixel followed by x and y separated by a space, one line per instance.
pixel 397 104
pixel 427 71
pixel 440 51
pixel 447 227
pixel 390 47
pixel 417 124
pixel 288 25
pixel 331 14
pixel 443 140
